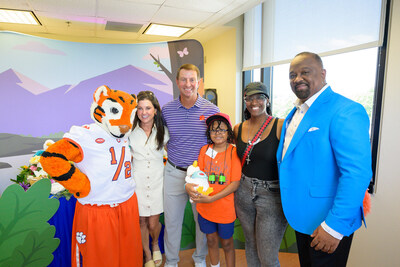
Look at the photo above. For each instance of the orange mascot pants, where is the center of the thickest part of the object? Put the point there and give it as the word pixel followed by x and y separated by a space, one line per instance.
pixel 107 236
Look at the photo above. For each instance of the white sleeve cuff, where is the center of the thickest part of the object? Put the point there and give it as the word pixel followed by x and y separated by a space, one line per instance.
pixel 331 231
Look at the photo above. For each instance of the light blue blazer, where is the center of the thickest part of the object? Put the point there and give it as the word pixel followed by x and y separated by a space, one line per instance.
pixel 327 166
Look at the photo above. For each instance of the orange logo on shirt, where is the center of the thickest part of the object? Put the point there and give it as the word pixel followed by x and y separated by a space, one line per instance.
pixel 100 140
pixel 202 117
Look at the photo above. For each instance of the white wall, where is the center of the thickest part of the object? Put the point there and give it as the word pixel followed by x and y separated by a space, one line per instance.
pixel 379 244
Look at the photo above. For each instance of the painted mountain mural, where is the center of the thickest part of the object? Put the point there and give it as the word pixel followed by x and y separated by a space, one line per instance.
pixel 32 109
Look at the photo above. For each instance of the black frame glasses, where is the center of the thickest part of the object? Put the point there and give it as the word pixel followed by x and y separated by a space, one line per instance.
pixel 218 131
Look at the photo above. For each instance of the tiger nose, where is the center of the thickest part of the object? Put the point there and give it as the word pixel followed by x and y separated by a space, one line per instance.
pixel 124 129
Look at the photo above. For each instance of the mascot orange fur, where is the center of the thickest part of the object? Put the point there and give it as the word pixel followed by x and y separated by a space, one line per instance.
pixel 93 163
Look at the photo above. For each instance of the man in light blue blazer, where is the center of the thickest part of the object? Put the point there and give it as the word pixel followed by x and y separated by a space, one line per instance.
pixel 324 161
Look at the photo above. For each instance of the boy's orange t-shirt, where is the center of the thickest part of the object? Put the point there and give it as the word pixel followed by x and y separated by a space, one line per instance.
pixel 228 163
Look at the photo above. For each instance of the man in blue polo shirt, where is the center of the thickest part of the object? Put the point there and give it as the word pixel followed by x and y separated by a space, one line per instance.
pixel 185 118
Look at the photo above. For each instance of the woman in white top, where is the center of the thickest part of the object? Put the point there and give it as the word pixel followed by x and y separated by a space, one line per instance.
pixel 147 142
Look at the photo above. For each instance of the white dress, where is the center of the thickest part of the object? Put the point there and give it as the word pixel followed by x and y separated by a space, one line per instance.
pixel 148 170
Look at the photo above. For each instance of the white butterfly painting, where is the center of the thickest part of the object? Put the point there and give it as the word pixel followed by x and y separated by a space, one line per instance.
pixel 183 52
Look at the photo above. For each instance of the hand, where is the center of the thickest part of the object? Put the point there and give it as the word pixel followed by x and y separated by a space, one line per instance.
pixel 324 241
pixel 200 198
pixel 190 189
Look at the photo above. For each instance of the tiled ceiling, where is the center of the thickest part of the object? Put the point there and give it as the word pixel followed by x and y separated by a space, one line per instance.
pixel 124 21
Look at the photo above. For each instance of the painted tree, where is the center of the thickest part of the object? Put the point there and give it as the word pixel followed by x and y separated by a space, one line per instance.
pixel 183 52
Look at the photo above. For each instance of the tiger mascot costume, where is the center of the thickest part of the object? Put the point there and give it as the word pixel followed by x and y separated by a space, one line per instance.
pixel 94 163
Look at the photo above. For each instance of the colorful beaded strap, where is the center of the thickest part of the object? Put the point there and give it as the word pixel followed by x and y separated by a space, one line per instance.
pixel 249 147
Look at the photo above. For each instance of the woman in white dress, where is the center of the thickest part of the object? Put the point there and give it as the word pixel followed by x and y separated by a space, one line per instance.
pixel 147 142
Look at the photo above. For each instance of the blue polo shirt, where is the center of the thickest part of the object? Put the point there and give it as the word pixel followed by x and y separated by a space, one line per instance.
pixel 187 129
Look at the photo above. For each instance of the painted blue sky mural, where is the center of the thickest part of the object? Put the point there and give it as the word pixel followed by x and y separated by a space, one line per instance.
pixel 55 63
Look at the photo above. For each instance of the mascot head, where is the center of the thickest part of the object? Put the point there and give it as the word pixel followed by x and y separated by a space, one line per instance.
pixel 113 110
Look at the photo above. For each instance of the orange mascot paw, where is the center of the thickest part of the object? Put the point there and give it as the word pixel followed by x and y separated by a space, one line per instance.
pixel 58 160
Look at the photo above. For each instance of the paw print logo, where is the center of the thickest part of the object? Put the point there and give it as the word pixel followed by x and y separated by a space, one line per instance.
pixel 80 237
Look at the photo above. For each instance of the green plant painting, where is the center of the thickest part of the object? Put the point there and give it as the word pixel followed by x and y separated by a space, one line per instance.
pixel 26 239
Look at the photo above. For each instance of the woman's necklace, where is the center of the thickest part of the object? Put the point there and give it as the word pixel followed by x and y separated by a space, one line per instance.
pixel 248 134
pixel 250 143
pixel 251 149
pixel 255 138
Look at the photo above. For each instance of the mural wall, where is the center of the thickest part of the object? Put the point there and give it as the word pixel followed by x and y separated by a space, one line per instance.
pixel 47 86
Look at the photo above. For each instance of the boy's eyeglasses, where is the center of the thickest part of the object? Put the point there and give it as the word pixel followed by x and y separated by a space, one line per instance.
pixel 258 97
pixel 218 131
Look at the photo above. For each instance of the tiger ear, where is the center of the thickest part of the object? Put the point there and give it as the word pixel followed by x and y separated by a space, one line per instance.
pixel 99 91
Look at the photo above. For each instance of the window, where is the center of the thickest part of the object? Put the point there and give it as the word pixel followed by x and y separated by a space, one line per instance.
pixel 275 31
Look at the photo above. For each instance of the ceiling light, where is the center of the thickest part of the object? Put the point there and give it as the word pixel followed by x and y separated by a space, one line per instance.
pixel 18 16
pixel 166 30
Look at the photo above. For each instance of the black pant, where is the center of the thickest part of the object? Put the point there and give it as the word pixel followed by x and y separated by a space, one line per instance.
pixel 309 257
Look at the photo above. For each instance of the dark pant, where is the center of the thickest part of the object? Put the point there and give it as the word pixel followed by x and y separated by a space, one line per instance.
pixel 309 257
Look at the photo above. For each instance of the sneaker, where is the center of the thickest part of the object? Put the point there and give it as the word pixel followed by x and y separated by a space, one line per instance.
pixel 200 264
